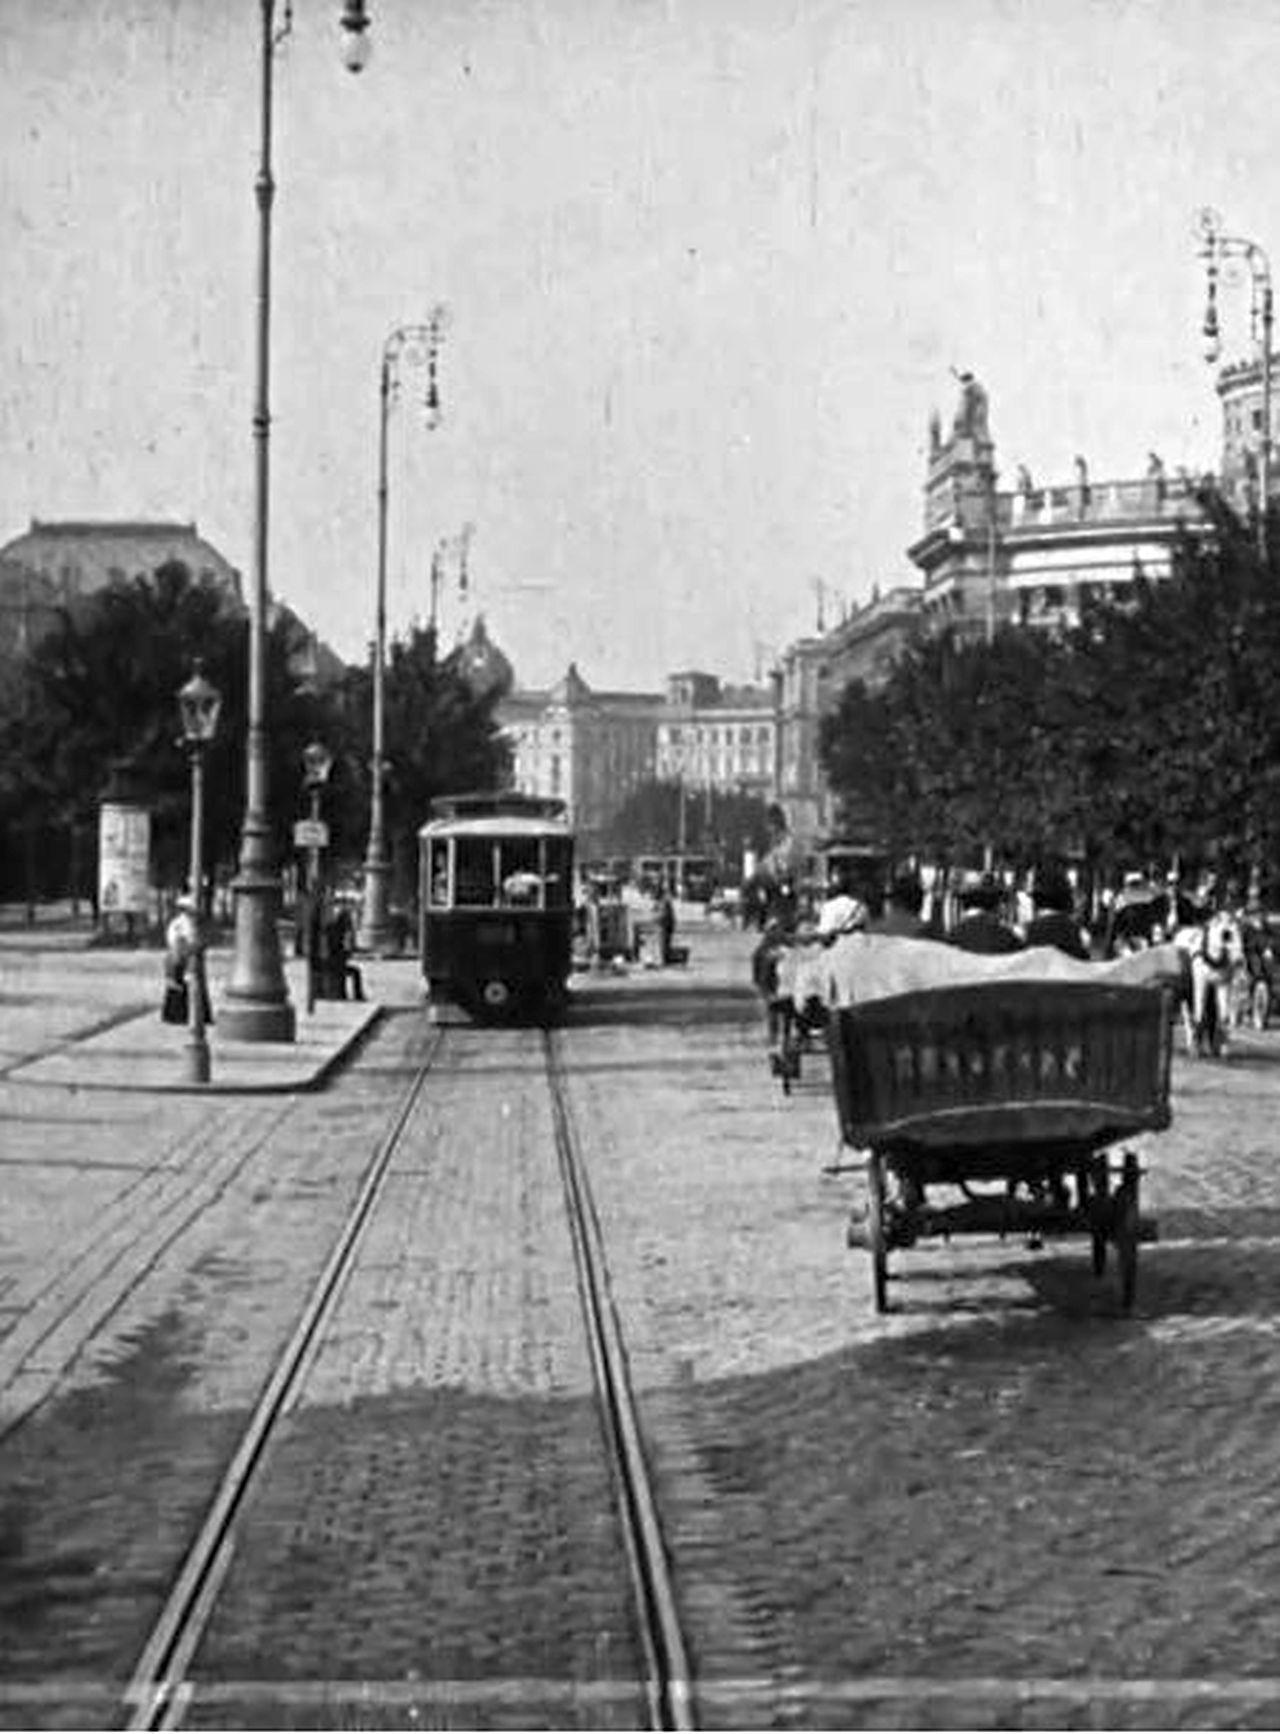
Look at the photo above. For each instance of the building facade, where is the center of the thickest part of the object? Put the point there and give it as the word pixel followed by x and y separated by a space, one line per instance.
pixel 717 738
pixel 810 677
pixel 589 749
pixel 593 749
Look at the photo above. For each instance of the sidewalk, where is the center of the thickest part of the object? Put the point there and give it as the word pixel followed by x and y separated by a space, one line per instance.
pixel 89 1020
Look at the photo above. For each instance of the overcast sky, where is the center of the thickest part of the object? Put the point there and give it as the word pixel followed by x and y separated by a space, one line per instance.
pixel 707 266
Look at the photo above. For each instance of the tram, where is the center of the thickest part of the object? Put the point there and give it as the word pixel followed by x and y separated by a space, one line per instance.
pixel 496 899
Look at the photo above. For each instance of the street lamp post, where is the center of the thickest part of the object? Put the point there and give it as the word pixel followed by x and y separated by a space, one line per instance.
pixel 317 762
pixel 413 341
pixel 1215 246
pixel 199 702
pixel 257 1004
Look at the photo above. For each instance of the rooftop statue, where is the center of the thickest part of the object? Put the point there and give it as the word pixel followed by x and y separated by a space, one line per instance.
pixel 971 417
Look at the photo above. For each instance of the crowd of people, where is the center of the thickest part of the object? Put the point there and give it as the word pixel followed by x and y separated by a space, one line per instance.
pixel 1224 945
pixel 619 923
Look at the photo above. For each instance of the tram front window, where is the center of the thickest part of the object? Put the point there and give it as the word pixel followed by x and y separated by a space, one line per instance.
pixel 521 873
pixel 474 882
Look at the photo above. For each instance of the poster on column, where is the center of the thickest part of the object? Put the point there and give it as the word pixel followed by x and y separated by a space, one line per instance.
pixel 124 858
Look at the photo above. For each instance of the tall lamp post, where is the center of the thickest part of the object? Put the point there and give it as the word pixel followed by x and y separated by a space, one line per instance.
pixel 1215 247
pixel 199 702
pixel 257 1004
pixel 411 342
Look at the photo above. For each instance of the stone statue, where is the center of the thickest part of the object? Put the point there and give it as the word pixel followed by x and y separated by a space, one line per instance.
pixel 971 417
pixel 1025 484
pixel 935 434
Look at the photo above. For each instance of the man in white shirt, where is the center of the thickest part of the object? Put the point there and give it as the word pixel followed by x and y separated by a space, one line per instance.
pixel 841 912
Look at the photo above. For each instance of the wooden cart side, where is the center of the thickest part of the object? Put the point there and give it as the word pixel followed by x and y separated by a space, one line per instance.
pixel 1002 1063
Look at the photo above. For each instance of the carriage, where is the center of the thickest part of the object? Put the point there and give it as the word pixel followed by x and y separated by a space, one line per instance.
pixel 496 901
pixel 1012 1094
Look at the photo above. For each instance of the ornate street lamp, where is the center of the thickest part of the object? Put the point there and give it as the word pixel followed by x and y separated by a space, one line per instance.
pixel 199 702
pixel 419 343
pixel 317 762
pixel 257 1004
pixel 1215 246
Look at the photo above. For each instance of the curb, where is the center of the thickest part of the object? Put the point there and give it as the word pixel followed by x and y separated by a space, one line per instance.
pixel 302 1083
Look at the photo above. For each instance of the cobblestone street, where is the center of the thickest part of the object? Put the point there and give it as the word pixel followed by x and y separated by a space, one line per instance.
pixel 1003 1504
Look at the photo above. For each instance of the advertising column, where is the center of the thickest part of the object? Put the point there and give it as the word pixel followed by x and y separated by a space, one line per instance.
pixel 124 863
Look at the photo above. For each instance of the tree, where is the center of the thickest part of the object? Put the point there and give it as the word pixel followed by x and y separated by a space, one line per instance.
pixel 724 824
pixel 441 737
pixel 1150 732
pixel 100 691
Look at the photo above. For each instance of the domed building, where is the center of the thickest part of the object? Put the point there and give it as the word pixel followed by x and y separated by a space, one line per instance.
pixel 483 666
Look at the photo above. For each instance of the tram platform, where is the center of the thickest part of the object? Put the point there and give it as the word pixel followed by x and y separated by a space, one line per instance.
pixel 84 1021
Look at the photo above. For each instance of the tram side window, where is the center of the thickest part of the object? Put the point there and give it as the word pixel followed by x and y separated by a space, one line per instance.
pixel 473 873
pixel 438 869
pixel 521 873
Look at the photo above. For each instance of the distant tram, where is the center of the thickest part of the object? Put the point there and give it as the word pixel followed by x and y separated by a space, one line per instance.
pixel 496 896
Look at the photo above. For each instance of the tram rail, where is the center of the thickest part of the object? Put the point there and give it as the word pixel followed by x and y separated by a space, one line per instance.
pixel 669 1681
pixel 157 1692
pixel 162 1685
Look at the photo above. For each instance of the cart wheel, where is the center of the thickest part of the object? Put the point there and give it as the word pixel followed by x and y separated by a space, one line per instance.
pixel 1260 1004
pixel 876 1237
pixel 1126 1231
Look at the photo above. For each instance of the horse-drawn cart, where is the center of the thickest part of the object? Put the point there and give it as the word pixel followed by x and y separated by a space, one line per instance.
pixel 1012 1092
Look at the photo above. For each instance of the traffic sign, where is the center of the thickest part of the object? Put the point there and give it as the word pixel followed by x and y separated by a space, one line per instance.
pixel 310 834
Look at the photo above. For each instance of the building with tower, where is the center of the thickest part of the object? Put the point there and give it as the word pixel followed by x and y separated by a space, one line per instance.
pixel 1240 389
pixel 589 749
pixel 1030 555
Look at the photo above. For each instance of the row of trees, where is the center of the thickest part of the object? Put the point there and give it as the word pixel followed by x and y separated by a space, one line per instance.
pixel 94 700
pixel 1149 733
pixel 714 822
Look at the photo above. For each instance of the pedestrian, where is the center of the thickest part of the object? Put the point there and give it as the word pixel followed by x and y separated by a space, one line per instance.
pixel 182 958
pixel 902 918
pixel 666 923
pixel 980 927
pixel 1053 919
pixel 840 911
pixel 341 939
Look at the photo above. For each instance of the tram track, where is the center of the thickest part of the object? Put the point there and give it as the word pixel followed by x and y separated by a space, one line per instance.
pixel 173 1672
pixel 669 1675
pixel 156 1695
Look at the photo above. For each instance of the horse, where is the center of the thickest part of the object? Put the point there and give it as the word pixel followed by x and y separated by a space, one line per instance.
pixel 1217 980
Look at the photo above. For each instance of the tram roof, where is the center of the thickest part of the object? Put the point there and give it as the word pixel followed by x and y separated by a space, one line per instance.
pixel 495 825
pixel 497 803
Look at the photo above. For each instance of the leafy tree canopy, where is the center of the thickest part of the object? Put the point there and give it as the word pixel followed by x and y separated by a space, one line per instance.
pixel 1150 731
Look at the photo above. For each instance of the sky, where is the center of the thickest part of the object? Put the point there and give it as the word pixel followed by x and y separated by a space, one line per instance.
pixel 707 266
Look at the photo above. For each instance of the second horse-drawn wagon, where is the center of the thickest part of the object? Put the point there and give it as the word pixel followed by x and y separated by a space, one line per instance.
pixel 990 1094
